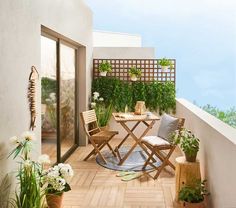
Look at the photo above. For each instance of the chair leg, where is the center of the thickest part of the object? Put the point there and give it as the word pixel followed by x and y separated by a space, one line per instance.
pixel 165 162
pixel 97 150
pixel 148 160
pixel 93 152
pixel 111 149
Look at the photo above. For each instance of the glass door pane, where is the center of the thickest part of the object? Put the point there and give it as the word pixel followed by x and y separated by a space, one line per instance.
pixel 67 97
pixel 49 97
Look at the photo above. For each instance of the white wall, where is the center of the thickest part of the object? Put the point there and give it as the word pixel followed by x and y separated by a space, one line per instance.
pixel 217 153
pixel 123 53
pixel 21 22
pixel 114 39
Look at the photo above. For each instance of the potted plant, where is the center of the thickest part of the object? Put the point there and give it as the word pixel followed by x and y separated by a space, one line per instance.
pixel 56 182
pixel 34 181
pixel 193 196
pixel 188 143
pixel 165 64
pixel 103 111
pixel 28 192
pixel 104 67
pixel 134 73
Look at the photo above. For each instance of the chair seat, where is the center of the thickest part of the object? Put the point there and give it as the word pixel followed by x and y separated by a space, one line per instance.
pixel 104 134
pixel 155 140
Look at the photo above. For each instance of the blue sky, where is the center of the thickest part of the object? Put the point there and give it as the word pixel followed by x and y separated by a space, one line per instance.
pixel 199 34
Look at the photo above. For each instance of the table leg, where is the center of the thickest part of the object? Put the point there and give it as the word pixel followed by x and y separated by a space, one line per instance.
pixel 137 140
pixel 134 127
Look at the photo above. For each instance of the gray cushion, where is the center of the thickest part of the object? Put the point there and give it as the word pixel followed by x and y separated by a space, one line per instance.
pixel 167 126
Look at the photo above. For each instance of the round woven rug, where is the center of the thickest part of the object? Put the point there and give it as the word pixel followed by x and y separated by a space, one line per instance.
pixel 134 162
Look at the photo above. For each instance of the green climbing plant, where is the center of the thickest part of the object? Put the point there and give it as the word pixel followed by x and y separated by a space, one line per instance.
pixel 157 96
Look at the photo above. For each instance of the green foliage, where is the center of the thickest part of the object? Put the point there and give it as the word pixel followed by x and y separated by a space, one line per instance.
pixel 228 116
pixel 48 86
pixel 135 72
pixel 157 96
pixel 29 193
pixel 194 193
pixel 105 67
pixel 103 114
pixel 188 142
pixel 165 62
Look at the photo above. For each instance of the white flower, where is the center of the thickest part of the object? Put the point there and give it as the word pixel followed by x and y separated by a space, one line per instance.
pixel 44 159
pixel 101 99
pixel 95 95
pixel 48 100
pixel 14 140
pixel 93 105
pixel 66 171
pixel 52 96
pixel 28 135
pixel 27 163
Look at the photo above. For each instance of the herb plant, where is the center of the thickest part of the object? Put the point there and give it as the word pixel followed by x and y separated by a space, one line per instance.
pixel 188 142
pixel 165 62
pixel 135 72
pixel 194 193
pixel 105 66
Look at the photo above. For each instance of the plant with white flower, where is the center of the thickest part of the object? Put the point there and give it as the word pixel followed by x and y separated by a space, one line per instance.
pixel 56 179
pixel 28 174
pixel 103 110
pixel 23 144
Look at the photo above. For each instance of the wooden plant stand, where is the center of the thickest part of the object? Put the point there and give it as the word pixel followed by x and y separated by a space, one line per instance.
pixel 186 173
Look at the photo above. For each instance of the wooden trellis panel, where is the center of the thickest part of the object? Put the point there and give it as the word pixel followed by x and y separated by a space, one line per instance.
pixel 151 70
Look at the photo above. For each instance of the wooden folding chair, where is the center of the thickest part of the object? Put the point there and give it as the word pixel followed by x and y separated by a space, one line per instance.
pixel 160 148
pixel 97 137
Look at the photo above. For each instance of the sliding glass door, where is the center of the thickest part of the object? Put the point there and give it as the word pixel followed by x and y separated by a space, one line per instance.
pixel 58 90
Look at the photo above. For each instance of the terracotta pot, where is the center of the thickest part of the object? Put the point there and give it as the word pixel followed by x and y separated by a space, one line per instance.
pixel 193 205
pixel 191 158
pixel 54 201
pixel 103 74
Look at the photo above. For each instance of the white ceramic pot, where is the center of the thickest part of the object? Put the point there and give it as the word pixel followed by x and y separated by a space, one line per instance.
pixel 165 68
pixel 103 74
pixel 133 78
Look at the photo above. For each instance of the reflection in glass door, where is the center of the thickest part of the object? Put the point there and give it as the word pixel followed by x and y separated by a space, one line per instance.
pixel 49 97
pixel 67 97
pixel 58 90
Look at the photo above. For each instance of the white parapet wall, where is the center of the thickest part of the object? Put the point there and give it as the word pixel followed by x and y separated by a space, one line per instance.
pixel 217 153
pixel 123 53
pixel 115 39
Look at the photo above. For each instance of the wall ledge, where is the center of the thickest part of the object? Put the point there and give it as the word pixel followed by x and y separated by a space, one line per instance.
pixel 221 127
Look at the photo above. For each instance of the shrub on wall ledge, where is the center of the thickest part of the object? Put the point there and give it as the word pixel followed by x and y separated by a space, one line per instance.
pixel 157 96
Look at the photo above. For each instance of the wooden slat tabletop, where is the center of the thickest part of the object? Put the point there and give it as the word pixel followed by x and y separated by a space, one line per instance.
pixel 123 117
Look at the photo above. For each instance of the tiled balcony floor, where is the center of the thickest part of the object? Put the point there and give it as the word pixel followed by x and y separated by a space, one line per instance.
pixel 95 186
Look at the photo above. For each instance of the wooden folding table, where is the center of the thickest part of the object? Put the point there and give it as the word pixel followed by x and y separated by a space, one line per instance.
pixel 123 119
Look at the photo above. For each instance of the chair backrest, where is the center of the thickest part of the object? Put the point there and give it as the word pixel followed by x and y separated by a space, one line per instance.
pixel 90 124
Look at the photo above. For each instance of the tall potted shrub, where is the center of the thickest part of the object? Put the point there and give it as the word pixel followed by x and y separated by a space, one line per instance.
pixel 193 196
pixel 188 143
pixel 104 67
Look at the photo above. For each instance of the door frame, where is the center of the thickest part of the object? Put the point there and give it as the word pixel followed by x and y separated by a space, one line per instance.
pixel 60 39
